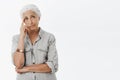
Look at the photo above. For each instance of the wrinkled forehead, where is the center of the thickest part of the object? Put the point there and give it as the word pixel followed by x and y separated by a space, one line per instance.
pixel 29 13
pixel 28 8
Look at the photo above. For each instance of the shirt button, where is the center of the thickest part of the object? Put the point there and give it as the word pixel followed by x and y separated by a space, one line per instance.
pixel 33 63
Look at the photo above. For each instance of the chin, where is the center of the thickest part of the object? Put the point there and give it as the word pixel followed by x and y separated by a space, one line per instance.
pixel 32 27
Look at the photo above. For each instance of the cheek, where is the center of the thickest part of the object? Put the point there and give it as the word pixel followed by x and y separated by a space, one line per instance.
pixel 36 21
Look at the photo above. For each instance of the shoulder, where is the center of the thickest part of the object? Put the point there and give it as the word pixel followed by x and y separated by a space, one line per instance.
pixel 50 35
pixel 15 37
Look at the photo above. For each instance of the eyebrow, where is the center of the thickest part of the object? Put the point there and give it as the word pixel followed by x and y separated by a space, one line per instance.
pixel 30 15
pixel 25 17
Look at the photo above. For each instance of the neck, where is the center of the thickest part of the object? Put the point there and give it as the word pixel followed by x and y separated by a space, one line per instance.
pixel 33 31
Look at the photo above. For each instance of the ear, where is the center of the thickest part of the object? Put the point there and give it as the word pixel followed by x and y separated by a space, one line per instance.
pixel 39 18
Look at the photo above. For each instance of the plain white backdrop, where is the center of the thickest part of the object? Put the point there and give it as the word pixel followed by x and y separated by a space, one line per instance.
pixel 87 34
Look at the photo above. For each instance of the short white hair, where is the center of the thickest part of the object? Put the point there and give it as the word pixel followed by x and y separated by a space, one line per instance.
pixel 31 7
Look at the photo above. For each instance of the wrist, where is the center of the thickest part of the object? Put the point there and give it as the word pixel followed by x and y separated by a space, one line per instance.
pixel 22 36
pixel 27 69
pixel 19 50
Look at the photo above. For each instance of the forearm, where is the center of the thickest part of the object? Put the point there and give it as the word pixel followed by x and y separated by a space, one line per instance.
pixel 38 68
pixel 18 56
pixel 21 42
pixel 18 59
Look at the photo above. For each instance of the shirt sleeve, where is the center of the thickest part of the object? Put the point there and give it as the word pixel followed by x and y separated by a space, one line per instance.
pixel 52 61
pixel 14 46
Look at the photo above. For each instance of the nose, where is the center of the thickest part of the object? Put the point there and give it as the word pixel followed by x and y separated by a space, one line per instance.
pixel 30 21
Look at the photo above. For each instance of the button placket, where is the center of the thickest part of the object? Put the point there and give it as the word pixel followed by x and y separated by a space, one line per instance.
pixel 33 61
pixel 33 56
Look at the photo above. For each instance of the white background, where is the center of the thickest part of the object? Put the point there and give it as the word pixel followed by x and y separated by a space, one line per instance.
pixel 87 34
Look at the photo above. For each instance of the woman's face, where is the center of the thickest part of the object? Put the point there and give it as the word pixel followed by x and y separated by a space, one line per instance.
pixel 31 19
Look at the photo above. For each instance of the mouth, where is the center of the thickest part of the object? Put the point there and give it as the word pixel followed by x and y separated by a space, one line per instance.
pixel 31 25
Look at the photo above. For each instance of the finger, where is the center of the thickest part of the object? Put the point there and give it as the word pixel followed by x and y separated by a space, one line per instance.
pixel 22 23
pixel 24 28
pixel 18 71
pixel 23 20
pixel 27 28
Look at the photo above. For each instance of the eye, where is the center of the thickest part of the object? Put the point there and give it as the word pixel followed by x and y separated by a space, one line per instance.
pixel 32 16
pixel 25 18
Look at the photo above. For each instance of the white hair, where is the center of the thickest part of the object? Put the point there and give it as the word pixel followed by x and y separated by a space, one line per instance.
pixel 31 7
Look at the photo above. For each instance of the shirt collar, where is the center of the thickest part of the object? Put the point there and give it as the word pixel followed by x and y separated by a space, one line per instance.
pixel 40 34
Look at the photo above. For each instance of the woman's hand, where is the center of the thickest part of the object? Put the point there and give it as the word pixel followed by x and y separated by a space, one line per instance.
pixel 22 70
pixel 23 29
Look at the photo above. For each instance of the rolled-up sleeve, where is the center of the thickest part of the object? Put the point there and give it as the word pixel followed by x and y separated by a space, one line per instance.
pixel 14 46
pixel 52 61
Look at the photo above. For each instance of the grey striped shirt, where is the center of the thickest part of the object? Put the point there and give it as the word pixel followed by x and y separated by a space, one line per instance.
pixel 43 51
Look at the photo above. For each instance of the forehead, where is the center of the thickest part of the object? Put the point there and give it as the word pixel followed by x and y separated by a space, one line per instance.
pixel 29 13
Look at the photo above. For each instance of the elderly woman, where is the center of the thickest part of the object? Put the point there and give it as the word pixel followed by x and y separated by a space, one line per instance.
pixel 34 51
